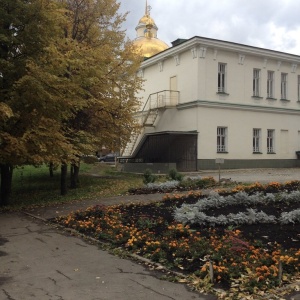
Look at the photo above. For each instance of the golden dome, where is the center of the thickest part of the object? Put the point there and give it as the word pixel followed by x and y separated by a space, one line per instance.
pixel 147 42
pixel 146 19
pixel 150 46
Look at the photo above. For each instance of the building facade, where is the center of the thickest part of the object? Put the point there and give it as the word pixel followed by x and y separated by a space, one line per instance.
pixel 207 99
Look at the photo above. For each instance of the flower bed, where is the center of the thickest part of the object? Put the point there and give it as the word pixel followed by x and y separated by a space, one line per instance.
pixel 241 258
pixel 187 184
pixel 195 213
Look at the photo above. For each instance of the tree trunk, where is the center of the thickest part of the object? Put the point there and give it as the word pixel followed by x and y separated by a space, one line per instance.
pixel 6 182
pixel 74 176
pixel 63 179
pixel 51 166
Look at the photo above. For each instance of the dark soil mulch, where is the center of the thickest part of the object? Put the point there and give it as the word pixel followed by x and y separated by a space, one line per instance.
pixel 288 236
pixel 146 191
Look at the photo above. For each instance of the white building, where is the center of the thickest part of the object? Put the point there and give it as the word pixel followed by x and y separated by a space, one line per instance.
pixel 205 99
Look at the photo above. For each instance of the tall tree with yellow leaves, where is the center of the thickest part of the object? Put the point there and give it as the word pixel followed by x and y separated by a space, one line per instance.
pixel 34 101
pixel 106 71
pixel 68 82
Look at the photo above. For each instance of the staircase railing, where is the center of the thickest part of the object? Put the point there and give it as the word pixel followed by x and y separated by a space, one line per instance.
pixel 161 99
pixel 155 102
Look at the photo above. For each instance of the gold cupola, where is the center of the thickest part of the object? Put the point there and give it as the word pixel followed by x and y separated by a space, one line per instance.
pixel 146 41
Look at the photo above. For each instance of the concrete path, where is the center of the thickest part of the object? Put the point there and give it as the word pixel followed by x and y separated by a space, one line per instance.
pixel 253 175
pixel 40 262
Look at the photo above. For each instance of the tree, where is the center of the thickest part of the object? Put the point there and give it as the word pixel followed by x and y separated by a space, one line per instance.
pixel 106 71
pixel 68 82
pixel 34 99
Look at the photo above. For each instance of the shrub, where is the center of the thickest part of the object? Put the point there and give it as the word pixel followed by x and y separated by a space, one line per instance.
pixel 149 177
pixel 198 182
pixel 174 175
pixel 207 182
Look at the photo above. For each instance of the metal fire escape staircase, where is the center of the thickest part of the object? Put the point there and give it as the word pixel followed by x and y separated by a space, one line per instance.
pixel 153 108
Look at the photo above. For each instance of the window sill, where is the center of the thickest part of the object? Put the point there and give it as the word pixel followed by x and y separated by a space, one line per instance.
pixel 271 152
pixel 257 153
pixel 271 98
pixel 222 93
pixel 257 97
pixel 222 152
pixel 285 100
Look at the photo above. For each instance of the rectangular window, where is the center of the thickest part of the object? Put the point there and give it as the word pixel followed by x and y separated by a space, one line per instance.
pixel 270 84
pixel 298 87
pixel 283 85
pixel 222 139
pixel 270 141
pixel 256 82
pixel 221 78
pixel 256 140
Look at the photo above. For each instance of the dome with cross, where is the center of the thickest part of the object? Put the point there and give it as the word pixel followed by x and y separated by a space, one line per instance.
pixel 146 41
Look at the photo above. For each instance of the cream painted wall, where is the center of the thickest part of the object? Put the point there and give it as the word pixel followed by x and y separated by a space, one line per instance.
pixel 240 126
pixel 197 81
pixel 197 77
pixel 157 77
pixel 174 120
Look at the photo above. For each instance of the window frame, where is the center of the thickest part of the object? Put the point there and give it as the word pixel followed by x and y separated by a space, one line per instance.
pixel 283 85
pixel 222 139
pixel 222 77
pixel 270 140
pixel 256 82
pixel 270 84
pixel 298 88
pixel 256 140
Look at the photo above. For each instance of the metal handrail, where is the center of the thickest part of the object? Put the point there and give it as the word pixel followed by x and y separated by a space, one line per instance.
pixel 157 93
pixel 148 108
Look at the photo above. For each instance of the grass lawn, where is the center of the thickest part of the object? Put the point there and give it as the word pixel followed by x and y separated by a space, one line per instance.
pixel 34 186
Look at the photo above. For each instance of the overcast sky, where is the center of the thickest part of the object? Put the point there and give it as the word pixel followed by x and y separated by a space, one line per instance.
pixel 271 24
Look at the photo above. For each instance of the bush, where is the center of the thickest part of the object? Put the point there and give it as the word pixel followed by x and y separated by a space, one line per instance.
pixel 207 182
pixel 174 175
pixel 149 177
pixel 198 182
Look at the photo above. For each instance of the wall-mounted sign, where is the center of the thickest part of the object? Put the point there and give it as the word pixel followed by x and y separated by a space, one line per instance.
pixel 219 160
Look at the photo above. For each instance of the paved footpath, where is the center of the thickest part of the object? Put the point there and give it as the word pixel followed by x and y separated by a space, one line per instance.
pixel 252 175
pixel 38 261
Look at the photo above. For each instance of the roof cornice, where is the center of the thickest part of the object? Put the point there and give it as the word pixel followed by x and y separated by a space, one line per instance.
pixel 222 45
pixel 238 106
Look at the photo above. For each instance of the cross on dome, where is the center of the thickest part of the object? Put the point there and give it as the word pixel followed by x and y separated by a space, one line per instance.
pixel 148 10
pixel 146 39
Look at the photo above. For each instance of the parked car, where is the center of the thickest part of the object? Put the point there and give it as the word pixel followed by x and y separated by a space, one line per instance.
pixel 111 157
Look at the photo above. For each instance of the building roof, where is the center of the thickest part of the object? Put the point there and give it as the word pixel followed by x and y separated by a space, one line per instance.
pixel 181 45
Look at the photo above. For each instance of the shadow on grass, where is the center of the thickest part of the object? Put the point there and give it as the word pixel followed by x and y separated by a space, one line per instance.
pixel 34 186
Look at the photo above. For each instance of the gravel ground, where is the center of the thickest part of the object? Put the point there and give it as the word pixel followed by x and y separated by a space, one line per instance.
pixel 253 175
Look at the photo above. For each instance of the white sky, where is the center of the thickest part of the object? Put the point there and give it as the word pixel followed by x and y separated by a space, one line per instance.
pixel 271 24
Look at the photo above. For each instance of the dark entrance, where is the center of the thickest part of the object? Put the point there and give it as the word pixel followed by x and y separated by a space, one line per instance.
pixel 170 147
